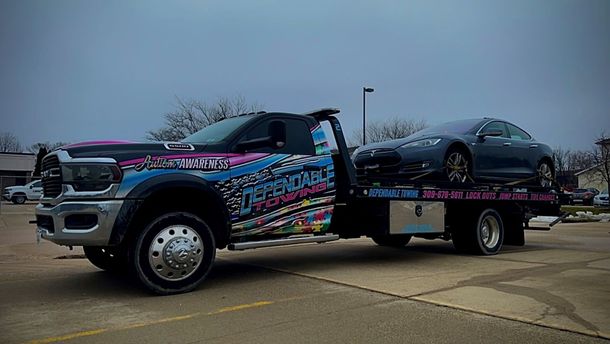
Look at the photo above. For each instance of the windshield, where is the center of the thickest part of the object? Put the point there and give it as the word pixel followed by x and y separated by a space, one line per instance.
pixel 458 127
pixel 218 131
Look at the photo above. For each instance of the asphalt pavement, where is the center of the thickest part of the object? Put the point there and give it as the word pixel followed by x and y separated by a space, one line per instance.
pixel 555 289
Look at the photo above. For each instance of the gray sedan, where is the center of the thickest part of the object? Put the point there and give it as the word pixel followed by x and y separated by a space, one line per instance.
pixel 470 150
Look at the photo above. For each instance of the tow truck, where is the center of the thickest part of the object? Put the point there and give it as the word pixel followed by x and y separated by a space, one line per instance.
pixel 161 210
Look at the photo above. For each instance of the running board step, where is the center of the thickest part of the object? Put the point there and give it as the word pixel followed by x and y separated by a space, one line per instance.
pixel 282 242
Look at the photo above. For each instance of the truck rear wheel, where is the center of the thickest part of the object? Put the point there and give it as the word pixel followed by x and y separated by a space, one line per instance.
pixel 392 240
pixel 484 234
pixel 174 253
pixel 111 259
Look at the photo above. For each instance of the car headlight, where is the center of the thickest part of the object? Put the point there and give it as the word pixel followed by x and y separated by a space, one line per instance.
pixel 421 143
pixel 91 177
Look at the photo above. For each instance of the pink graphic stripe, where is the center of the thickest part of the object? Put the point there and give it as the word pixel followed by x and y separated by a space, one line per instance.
pixel 234 159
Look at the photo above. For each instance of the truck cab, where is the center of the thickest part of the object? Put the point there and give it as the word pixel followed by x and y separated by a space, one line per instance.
pixel 166 207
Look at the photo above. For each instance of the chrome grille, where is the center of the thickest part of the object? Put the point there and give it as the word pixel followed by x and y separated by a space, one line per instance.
pixel 51 176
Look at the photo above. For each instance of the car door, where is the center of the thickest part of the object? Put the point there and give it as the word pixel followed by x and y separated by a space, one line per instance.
pixel 35 191
pixel 492 153
pixel 523 153
pixel 284 190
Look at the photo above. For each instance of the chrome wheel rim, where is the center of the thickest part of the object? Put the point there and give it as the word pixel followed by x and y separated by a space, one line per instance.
pixel 545 174
pixel 175 253
pixel 457 167
pixel 489 231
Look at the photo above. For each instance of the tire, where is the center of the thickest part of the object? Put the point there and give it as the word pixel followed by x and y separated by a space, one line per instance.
pixel 111 259
pixel 18 199
pixel 392 240
pixel 174 253
pixel 457 166
pixel 546 174
pixel 484 235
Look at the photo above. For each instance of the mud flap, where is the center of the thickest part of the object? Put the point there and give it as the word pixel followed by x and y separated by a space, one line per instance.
pixel 513 232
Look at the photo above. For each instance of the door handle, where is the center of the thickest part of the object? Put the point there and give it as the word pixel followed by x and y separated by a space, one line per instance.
pixel 533 146
pixel 506 144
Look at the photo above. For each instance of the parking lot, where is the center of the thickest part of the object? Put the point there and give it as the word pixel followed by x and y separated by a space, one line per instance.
pixel 554 289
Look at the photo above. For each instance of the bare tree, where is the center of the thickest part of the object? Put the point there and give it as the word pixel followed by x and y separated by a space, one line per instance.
pixel 601 158
pixel 561 160
pixel 191 116
pixel 49 146
pixel 580 160
pixel 9 143
pixel 393 128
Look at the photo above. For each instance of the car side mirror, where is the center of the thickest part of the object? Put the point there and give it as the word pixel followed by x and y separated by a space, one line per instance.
pixel 275 139
pixel 490 133
pixel 277 132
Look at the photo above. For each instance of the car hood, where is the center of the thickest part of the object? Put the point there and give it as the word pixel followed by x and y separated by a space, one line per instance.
pixel 393 144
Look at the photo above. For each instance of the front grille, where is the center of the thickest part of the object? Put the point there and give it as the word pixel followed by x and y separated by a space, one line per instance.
pixel 381 157
pixel 51 176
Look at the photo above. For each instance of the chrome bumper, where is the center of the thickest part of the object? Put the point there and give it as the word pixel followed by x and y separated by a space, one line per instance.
pixel 56 231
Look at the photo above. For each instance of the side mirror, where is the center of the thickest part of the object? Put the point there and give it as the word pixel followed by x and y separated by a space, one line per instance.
pixel 277 132
pixel 275 139
pixel 490 133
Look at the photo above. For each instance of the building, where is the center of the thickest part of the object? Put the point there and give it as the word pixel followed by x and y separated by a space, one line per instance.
pixel 16 168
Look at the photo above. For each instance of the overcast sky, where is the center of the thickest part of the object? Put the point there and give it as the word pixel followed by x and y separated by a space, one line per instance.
pixel 85 70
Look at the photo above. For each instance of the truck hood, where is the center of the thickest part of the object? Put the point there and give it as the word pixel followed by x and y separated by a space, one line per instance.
pixel 127 150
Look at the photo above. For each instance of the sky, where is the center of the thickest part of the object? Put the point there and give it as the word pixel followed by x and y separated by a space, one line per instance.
pixel 88 70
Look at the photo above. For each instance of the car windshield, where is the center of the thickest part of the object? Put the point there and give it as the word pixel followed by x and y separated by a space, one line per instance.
pixel 580 190
pixel 218 131
pixel 458 127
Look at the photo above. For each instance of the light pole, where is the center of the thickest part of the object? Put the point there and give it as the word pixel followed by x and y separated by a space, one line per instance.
pixel 365 90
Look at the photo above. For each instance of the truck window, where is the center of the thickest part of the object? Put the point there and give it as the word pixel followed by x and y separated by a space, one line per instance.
pixel 298 137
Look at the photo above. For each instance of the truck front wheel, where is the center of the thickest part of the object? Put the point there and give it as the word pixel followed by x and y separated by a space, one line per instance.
pixel 174 253
pixel 18 199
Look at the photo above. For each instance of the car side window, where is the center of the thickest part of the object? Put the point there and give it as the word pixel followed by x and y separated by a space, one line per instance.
pixel 516 133
pixel 298 137
pixel 495 126
pixel 37 184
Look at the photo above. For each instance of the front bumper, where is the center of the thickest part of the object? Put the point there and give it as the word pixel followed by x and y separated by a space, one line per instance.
pixel 6 196
pixel 52 224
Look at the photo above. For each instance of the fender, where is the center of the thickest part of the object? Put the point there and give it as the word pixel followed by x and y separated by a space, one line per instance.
pixel 138 195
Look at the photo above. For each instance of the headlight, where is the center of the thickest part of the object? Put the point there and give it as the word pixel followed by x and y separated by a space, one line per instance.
pixel 90 177
pixel 421 143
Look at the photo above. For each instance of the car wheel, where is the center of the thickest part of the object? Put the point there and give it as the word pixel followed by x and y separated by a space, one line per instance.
pixel 392 240
pixel 18 199
pixel 545 174
pixel 457 165
pixel 174 253
pixel 111 259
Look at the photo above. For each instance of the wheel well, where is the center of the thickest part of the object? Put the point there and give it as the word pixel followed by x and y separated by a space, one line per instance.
pixel 462 147
pixel 549 161
pixel 195 201
pixel 18 194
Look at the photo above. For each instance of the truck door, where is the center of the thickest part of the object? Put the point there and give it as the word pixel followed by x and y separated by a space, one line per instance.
pixel 288 188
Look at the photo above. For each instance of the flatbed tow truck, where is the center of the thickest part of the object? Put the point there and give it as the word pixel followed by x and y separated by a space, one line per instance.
pixel 161 210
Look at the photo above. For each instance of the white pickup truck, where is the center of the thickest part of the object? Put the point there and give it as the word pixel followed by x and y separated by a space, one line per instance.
pixel 19 194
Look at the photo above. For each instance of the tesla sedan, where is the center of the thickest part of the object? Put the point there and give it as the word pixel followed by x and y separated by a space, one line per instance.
pixel 471 150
